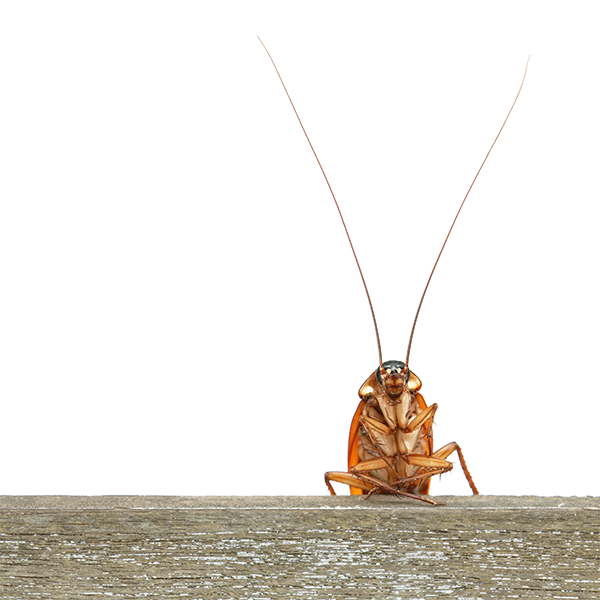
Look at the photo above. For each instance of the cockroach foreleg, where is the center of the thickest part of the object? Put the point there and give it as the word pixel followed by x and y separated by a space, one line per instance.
pixel 428 413
pixel 446 451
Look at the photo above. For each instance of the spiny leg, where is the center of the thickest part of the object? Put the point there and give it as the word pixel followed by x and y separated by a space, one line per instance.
pixel 446 451
pixel 428 466
pixel 370 485
pixel 346 479
pixel 397 492
pixel 381 437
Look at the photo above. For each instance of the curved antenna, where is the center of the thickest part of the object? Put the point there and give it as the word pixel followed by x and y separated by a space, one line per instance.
pixel 336 204
pixel 456 217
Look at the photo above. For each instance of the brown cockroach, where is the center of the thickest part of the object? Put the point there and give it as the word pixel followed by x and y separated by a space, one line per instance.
pixel 390 448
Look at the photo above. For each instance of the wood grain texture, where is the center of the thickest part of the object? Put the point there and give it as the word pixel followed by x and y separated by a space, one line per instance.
pixel 313 548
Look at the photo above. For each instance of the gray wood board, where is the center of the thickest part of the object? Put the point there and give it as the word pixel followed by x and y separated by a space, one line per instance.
pixel 309 547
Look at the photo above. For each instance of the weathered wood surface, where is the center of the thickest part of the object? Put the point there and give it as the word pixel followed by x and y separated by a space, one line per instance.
pixel 306 548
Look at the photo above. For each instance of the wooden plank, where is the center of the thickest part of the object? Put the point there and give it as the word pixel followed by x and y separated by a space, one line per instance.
pixel 313 547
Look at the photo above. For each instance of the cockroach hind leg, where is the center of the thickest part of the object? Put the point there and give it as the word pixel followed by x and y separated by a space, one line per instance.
pixel 369 494
pixel 400 494
pixel 404 480
pixel 347 479
pixel 371 486
pixel 329 486
pixel 446 451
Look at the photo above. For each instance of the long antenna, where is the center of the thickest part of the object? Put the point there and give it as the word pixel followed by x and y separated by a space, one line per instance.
pixel 456 217
pixel 336 204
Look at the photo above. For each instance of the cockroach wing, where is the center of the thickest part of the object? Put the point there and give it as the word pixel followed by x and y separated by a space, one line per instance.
pixel 353 457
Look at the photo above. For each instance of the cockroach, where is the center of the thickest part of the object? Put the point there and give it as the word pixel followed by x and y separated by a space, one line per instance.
pixel 390 447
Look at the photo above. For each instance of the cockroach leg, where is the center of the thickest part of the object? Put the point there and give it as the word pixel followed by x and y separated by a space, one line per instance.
pixel 369 494
pixel 429 412
pixel 418 476
pixel 346 479
pixel 422 460
pixel 446 451
pixel 395 491
pixel 380 435
pixel 371 485
pixel 371 465
pixel 381 438
pixel 421 498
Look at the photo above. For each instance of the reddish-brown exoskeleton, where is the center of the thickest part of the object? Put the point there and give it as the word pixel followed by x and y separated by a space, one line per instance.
pixel 390 450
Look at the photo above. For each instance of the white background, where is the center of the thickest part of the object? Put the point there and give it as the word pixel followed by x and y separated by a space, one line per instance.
pixel 179 309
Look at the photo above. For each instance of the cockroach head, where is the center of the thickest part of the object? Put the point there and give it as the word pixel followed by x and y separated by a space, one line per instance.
pixel 393 378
